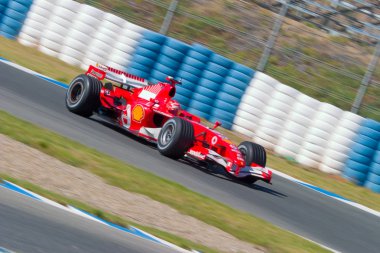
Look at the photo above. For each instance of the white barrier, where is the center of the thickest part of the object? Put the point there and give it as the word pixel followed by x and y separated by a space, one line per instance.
pixel 35 23
pixel 79 34
pixel 294 125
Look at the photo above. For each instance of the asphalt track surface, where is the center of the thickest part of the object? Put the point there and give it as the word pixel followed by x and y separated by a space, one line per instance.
pixel 285 203
pixel 30 226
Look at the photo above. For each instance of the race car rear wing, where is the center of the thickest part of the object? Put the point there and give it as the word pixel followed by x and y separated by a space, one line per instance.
pixel 102 72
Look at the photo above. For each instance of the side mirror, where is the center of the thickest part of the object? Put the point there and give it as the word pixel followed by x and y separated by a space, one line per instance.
pixel 217 124
pixel 173 81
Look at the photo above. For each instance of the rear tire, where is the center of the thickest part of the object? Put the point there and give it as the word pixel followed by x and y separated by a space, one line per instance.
pixel 175 138
pixel 253 153
pixel 83 95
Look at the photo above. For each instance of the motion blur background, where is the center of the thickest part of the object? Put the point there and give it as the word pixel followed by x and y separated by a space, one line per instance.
pixel 323 47
pixel 328 50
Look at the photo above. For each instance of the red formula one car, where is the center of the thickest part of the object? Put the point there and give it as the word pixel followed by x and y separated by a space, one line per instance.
pixel 148 110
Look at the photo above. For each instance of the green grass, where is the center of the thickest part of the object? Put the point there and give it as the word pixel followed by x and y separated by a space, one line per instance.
pixel 181 242
pixel 331 183
pixel 37 61
pixel 239 224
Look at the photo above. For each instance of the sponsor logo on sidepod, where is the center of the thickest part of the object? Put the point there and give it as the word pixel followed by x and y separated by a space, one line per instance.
pixel 197 154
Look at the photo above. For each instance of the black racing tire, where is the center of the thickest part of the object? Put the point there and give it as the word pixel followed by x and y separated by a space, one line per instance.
pixel 175 138
pixel 83 95
pixel 253 153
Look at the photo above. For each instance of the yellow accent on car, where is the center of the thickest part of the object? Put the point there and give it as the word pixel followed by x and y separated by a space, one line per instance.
pixel 138 113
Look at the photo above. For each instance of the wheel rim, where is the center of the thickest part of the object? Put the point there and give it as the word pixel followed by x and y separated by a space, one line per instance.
pixel 167 136
pixel 243 152
pixel 76 92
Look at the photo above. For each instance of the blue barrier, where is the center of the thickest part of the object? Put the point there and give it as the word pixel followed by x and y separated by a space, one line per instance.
pixel 217 69
pixel 187 77
pixel 376 157
pixel 242 85
pixel 362 164
pixel 372 186
pixel 177 45
pixel 146 54
pixel 164 69
pixel 359 158
pixel 172 53
pixel 199 113
pixel 150 45
pixel 231 92
pixel 12 16
pixel 202 50
pixel 373 179
pixel 154 37
pixel 190 71
pixel 167 61
pixel 355 176
pixel 221 60
pixel 203 98
pixel 209 85
pixel 183 100
pixel 225 123
pixel 141 51
pixel 207 74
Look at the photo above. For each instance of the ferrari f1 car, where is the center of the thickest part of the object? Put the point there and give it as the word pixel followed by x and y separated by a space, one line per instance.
pixel 149 111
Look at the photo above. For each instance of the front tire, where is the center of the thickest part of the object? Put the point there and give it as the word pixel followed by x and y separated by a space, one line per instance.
pixel 175 138
pixel 83 95
pixel 253 153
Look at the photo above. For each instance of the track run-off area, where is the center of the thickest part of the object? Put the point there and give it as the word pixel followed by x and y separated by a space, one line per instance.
pixel 286 204
pixel 28 225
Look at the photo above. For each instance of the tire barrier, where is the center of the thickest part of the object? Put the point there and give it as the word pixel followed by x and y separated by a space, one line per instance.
pixel 209 79
pixel 373 179
pixel 79 34
pixel 200 90
pixel 35 23
pixel 292 124
pixel 253 102
pixel 12 16
pixel 362 165
pixel 103 39
pixel 316 138
pixel 296 127
pixel 124 45
pixel 3 5
pixel 169 60
pixel 209 85
pixel 231 91
pixel 63 13
pixel 315 134
pixel 192 67
pixel 146 54
pixel 220 87
pixel 275 113
pixel 337 148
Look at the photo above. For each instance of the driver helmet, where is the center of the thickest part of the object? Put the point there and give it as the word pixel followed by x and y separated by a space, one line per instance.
pixel 173 107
